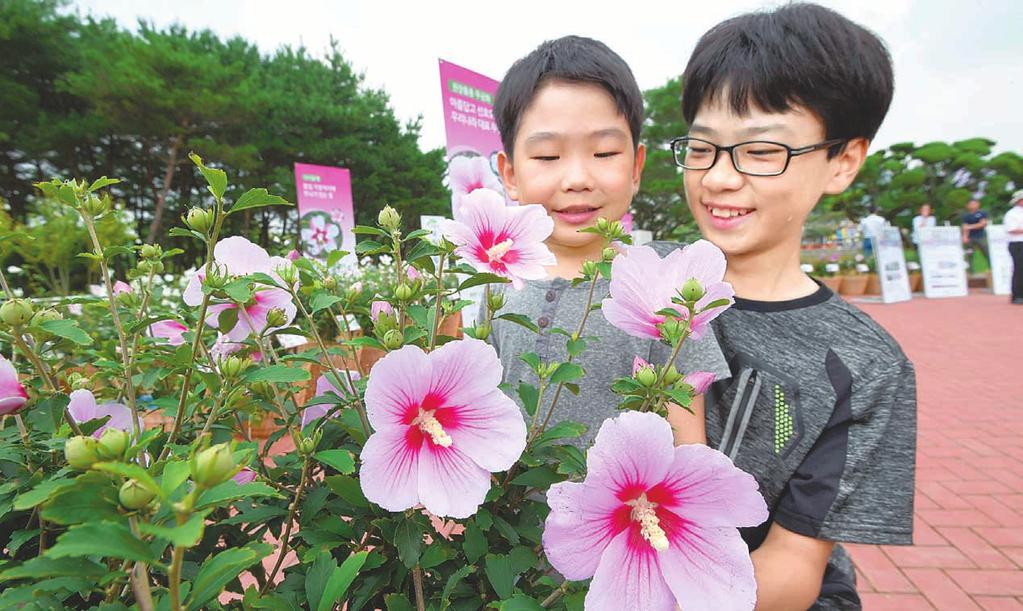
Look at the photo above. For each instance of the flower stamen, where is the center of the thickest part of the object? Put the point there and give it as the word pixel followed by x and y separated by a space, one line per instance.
pixel 429 424
pixel 495 252
pixel 649 524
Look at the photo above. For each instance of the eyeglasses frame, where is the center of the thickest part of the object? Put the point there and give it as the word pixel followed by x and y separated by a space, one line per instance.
pixel 792 152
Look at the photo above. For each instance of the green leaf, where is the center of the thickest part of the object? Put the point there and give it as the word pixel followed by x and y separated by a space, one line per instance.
pixel 219 570
pixel 174 474
pixel 565 429
pixel 104 539
pixel 398 602
pixel 317 578
pixel 257 198
pixel 575 347
pixel 276 373
pixel 452 583
pixel 474 543
pixel 343 578
pixel 187 534
pixel 408 538
pixel 347 488
pixel 43 566
pixel 540 477
pixel 322 301
pixel 716 304
pixel 334 256
pixel 181 232
pixel 216 179
pixel 365 247
pixel 342 460
pixel 531 359
pixel 507 530
pixel 228 319
pixel 500 575
pixel 571 460
pixel 530 396
pixel 42 491
pixel 367 230
pixel 521 320
pixel 520 602
pixel 240 291
pixel 131 471
pixel 68 329
pixel 567 372
pixel 231 491
pixel 480 279
pixel 92 497
pixel 101 182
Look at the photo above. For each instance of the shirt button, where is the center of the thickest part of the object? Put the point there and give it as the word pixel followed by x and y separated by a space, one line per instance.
pixel 543 321
pixel 551 295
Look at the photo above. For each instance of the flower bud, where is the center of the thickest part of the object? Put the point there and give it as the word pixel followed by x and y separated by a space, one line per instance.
pixel 151 251
pixel 354 291
pixel 589 268
pixel 77 381
pixel 672 330
pixel 112 444
pixel 483 330
pixel 217 278
pixel 308 446
pixel 199 220
pixel 46 315
pixel 16 312
pixel 288 273
pixel 233 366
pixel 393 339
pixel 496 301
pixel 133 495
pixel 262 388
pixel 276 317
pixel 602 224
pixel 692 290
pixel 672 375
pixel 389 219
pixel 330 283
pixel 609 253
pixel 81 452
pixel 404 292
pixel 95 206
pixel 646 376
pixel 213 466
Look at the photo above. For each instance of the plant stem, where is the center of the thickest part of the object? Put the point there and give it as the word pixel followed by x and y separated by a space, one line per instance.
pixel 6 287
pixel 555 595
pixel 44 372
pixel 140 577
pixel 417 582
pixel 24 439
pixel 285 536
pixel 348 337
pixel 437 303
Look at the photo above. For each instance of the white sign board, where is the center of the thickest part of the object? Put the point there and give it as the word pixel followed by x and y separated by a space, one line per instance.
pixel 1001 262
pixel 891 266
pixel 942 262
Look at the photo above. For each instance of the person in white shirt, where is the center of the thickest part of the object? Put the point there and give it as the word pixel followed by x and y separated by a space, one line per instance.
pixel 871 227
pixel 924 219
pixel 1014 228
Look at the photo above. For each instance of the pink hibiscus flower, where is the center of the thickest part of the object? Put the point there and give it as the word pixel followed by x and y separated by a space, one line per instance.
pixel 244 476
pixel 442 426
pixel 12 393
pixel 699 380
pixel 642 284
pixel 323 386
pixel 499 239
pixel 121 287
pixel 319 236
pixel 655 525
pixel 379 307
pixel 170 330
pixel 83 408
pixel 467 174
pixel 242 257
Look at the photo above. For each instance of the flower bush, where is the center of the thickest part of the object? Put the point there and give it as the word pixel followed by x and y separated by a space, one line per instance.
pixel 418 483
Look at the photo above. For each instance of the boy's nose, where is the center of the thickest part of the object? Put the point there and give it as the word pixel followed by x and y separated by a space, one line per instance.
pixel 578 176
pixel 722 176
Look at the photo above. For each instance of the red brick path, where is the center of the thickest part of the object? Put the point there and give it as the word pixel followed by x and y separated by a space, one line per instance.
pixel 968 535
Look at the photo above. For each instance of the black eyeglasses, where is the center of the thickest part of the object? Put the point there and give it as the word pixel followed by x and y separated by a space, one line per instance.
pixel 753 158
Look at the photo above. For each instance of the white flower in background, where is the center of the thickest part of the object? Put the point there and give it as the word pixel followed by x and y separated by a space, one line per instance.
pixel 807 268
pixel 862 268
pixel 832 268
pixel 319 236
pixel 386 260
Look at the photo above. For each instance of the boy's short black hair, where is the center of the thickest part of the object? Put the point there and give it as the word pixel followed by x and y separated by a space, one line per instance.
pixel 572 59
pixel 797 55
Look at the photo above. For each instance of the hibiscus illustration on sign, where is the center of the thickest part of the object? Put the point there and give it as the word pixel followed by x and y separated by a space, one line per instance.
pixel 319 235
pixel 442 426
pixel 643 284
pixel 654 525
pixel 504 240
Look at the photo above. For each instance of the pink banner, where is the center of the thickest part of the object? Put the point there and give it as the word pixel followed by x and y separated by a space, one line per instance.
pixel 325 210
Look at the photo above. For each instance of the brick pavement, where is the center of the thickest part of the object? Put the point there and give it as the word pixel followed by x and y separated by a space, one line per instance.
pixel 968 534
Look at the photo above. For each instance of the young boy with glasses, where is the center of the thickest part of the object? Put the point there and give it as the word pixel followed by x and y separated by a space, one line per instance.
pixel 821 405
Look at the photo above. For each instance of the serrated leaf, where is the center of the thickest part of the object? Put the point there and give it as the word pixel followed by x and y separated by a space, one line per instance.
pixel 92 497
pixel 480 279
pixel 521 320
pixel 181 232
pixel 219 570
pixel 104 539
pixel 408 538
pixel 68 329
pixel 240 290
pixel 452 583
pixel 567 372
pixel 575 347
pixel 131 471
pixel 500 575
pixel 520 602
pixel 565 429
pixel 174 474
pixel 398 602
pixel 717 304
pixel 347 488
pixel 41 492
pixel 187 534
pixel 232 491
pixel 531 359
pixel 368 247
pixel 322 301
pixel 341 460
pixel 529 395
pixel 227 319
pixel 276 373
pixel 43 566
pixel 367 230
pixel 474 543
pixel 540 478
pixel 257 198
pixel 216 179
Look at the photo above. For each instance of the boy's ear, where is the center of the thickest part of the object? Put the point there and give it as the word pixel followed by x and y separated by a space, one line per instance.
pixel 506 170
pixel 637 168
pixel 846 166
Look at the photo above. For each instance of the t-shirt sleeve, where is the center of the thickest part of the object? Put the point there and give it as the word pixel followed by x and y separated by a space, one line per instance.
pixel 856 483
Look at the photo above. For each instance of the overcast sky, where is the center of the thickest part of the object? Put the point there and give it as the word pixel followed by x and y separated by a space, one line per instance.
pixel 958 64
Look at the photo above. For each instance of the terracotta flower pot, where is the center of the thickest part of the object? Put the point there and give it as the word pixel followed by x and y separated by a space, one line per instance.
pixel 853 285
pixel 916 280
pixel 832 282
pixel 873 285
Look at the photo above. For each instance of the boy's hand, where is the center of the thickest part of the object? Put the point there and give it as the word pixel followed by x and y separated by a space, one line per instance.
pixel 688 427
pixel 789 568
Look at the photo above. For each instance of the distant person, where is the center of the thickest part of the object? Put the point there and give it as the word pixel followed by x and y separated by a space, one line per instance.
pixel 924 219
pixel 974 236
pixel 871 227
pixel 1014 228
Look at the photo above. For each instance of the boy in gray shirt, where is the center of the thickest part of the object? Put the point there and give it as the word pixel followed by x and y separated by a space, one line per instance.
pixel 569 114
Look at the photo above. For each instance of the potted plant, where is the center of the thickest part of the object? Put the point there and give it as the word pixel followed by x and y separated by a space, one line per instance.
pixel 829 274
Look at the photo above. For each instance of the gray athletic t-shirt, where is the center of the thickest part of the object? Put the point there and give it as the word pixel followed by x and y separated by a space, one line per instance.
pixel 556 304
pixel 821 409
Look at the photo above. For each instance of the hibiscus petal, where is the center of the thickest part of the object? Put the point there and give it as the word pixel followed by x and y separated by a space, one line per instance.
pixel 390 470
pixel 450 483
pixel 82 406
pixel 706 262
pixel 12 393
pixel 464 370
pixel 578 528
pixel 193 292
pixel 633 450
pixel 314 412
pixel 704 486
pixel 241 256
pixel 621 317
pixel 628 577
pixel 399 380
pixel 490 430
pixel 709 568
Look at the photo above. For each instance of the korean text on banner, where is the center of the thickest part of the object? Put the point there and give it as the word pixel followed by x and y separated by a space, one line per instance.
pixel 942 261
pixel 325 211
pixel 891 266
pixel 1001 262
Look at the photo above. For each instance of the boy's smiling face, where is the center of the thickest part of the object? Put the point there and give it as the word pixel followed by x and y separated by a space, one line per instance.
pixel 757 215
pixel 574 155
